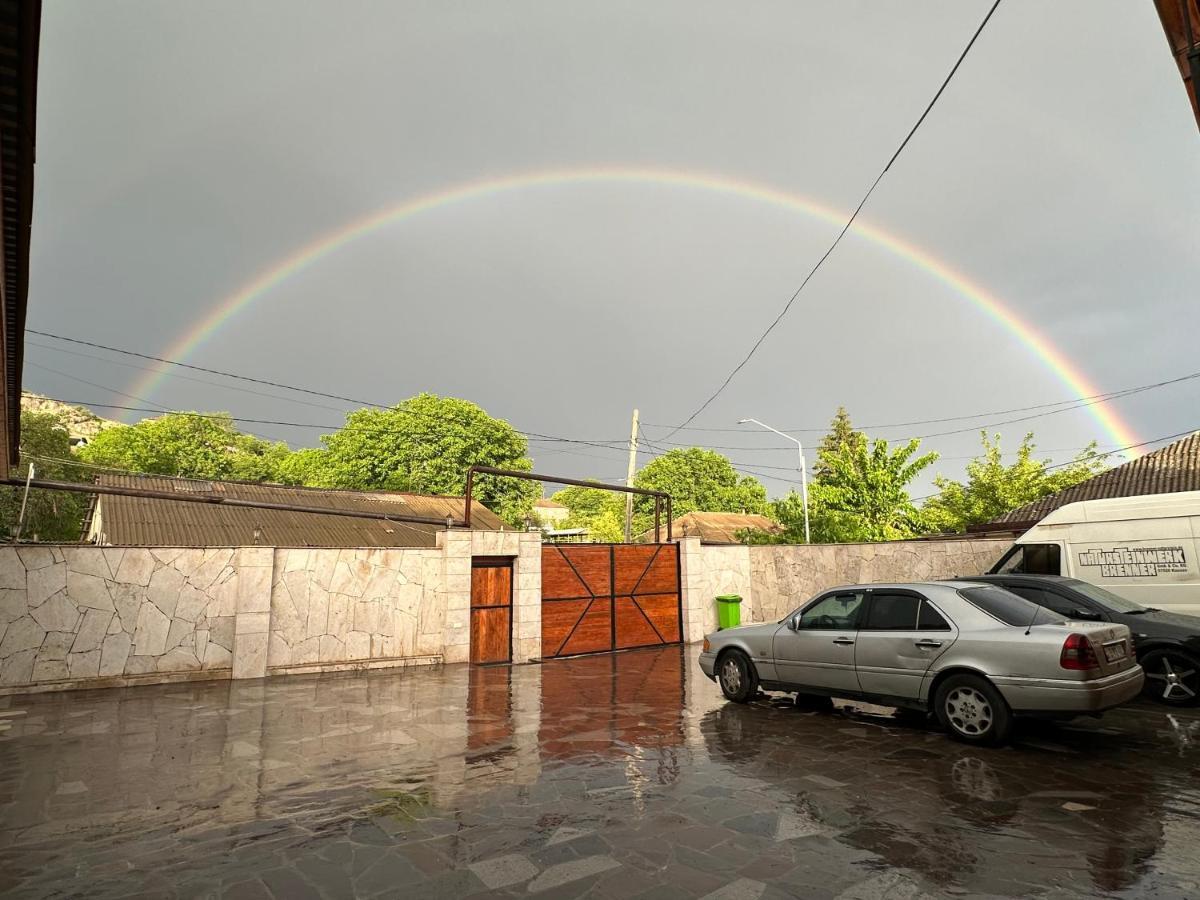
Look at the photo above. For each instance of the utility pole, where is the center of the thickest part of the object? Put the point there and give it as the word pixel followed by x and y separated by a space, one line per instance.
pixel 633 438
pixel 25 500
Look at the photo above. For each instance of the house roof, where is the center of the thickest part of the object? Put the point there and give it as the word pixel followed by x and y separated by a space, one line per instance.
pixel 716 527
pixel 142 521
pixel 1175 467
pixel 547 503
pixel 20 25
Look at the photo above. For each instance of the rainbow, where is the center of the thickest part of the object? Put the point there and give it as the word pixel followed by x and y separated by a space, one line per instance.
pixel 1119 432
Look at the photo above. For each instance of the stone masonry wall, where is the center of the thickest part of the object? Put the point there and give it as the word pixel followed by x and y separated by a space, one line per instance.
pixel 784 576
pixel 78 616
pixel 331 606
pixel 71 613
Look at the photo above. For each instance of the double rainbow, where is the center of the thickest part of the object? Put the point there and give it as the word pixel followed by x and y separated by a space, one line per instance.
pixel 1118 432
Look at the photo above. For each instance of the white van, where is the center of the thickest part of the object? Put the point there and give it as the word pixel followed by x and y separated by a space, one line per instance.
pixel 1142 548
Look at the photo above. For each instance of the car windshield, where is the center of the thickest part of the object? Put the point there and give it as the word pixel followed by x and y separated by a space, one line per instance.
pixel 1008 607
pixel 1108 599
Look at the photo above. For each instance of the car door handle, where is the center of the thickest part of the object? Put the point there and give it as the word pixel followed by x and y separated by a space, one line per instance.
pixel 843 640
pixel 928 643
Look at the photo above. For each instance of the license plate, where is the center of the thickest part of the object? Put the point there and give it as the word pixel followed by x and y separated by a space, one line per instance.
pixel 1114 652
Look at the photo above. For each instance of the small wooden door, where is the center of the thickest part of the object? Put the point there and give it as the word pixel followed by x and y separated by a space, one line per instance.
pixel 491 610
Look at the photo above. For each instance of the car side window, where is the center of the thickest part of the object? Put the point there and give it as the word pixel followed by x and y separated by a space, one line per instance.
pixel 929 619
pixel 1043 597
pixel 837 612
pixel 892 612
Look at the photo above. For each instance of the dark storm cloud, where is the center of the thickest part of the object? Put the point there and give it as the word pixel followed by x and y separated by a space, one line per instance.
pixel 182 149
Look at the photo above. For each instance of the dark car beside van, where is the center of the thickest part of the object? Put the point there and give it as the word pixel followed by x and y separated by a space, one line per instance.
pixel 1166 644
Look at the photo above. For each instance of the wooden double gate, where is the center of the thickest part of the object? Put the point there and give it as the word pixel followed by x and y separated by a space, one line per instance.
pixel 597 598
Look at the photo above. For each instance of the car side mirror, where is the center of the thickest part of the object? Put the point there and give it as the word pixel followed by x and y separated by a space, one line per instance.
pixel 1085 615
pixel 793 623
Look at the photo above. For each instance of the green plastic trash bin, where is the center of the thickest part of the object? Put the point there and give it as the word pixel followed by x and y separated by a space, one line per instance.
pixel 729 611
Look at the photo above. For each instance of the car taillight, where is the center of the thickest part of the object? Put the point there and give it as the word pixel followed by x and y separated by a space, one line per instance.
pixel 1078 654
pixel 707 645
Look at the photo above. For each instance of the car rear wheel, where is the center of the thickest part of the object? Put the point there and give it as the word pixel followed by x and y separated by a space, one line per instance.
pixel 972 710
pixel 739 681
pixel 1172 677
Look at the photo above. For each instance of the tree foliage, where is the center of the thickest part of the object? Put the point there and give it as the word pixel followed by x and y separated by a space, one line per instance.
pixel 859 492
pixel 190 445
pixel 49 515
pixel 602 513
pixel 424 444
pixel 992 488
pixel 697 480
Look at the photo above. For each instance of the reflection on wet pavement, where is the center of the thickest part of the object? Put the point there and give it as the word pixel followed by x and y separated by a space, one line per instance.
pixel 606 776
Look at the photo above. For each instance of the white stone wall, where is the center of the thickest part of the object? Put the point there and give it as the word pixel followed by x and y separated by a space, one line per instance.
pixel 72 613
pixel 784 576
pixel 707 572
pixel 775 579
pixel 336 606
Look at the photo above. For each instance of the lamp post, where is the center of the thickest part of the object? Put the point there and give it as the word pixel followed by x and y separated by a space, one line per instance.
pixel 803 467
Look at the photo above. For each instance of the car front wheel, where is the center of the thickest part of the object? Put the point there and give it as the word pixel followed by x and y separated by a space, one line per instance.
pixel 737 677
pixel 972 710
pixel 1172 677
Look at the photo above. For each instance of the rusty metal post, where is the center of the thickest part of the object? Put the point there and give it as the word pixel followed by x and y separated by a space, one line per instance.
pixel 470 493
pixel 670 518
pixel 657 523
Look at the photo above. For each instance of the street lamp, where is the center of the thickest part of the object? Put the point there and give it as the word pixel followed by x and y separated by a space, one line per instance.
pixel 803 467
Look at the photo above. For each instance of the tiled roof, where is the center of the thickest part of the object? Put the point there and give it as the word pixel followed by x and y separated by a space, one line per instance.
pixel 141 521
pixel 547 503
pixel 1175 467
pixel 716 527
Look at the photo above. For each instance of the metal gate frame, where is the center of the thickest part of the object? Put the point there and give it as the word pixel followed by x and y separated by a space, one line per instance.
pixel 660 497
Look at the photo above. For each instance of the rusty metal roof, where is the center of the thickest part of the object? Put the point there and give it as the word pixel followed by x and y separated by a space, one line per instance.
pixel 141 521
pixel 716 527
pixel 1175 467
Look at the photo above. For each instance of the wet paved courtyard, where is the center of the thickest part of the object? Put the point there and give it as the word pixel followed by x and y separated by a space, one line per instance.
pixel 611 776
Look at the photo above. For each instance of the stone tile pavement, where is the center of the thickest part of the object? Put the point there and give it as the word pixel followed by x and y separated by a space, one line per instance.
pixel 604 777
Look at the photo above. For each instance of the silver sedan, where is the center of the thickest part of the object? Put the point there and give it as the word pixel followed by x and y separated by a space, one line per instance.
pixel 975 655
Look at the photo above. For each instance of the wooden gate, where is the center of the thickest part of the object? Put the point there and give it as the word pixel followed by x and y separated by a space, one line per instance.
pixel 602 597
pixel 491 609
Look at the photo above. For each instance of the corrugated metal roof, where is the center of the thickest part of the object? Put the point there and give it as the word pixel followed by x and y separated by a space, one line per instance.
pixel 716 527
pixel 1175 467
pixel 141 521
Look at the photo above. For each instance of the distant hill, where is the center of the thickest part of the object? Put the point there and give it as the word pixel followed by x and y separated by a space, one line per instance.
pixel 81 422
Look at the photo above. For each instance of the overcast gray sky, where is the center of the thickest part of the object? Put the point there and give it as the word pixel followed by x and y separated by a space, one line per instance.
pixel 184 148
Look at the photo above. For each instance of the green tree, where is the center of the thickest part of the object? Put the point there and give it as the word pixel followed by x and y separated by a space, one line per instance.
pixel 842 433
pixel 424 444
pixel 697 480
pixel 191 445
pixel 49 515
pixel 864 490
pixel 991 488
pixel 602 513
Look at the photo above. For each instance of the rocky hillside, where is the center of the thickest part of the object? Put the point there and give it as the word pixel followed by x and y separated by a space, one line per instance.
pixel 81 422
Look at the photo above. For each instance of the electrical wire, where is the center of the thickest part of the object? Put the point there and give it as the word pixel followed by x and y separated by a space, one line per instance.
pixel 841 234
pixel 216 384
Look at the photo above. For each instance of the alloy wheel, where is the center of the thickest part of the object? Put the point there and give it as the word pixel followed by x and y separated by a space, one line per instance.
pixel 969 711
pixel 1173 678
pixel 731 676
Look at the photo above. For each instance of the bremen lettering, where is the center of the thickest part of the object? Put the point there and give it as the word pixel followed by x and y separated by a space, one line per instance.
pixel 1141 562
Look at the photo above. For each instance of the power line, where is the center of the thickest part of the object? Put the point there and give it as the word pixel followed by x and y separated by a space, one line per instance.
pixel 95 385
pixel 1100 398
pixel 1158 440
pixel 216 384
pixel 841 234
pixel 996 412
